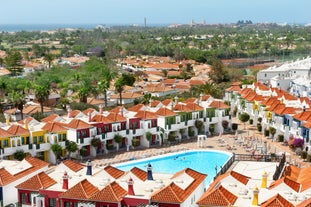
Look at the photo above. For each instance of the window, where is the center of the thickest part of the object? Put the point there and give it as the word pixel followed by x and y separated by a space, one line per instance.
pixel 23 140
pixel 83 133
pixel 52 202
pixel 5 143
pixel 35 140
pixel 22 198
pixel 66 204
pixel 64 137
pixel 41 139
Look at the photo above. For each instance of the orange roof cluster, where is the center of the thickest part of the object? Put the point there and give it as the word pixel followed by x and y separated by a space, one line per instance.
pixel 37 182
pixel 84 190
pixel 112 193
pixel 146 115
pixel 54 127
pixel 173 193
pixel 18 130
pixel 78 124
pixel 164 112
pixel 36 165
pixel 218 197
pixel 218 105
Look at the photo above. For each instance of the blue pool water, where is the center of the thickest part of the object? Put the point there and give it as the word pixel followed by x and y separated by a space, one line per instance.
pixel 203 161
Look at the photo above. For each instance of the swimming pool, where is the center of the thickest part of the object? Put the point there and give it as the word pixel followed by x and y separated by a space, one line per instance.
pixel 203 161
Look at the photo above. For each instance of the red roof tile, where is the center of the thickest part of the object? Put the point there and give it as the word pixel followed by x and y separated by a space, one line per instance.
pixel 218 197
pixel 50 118
pixel 36 165
pixel 114 172
pixel 54 127
pixel 37 182
pixel 139 173
pixel 74 166
pixel 136 107
pixel 78 124
pixel 115 117
pixel 101 118
pixel 277 201
pixel 164 112
pixel 18 130
pixel 219 105
pixel 110 193
pixel 146 115
pixel 82 191
pixel 4 133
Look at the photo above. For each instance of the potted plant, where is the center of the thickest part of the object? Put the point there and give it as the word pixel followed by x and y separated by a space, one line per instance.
pixel 259 127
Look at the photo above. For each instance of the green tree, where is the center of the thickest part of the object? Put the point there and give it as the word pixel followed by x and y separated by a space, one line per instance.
pixel 125 80
pixel 56 149
pixel 48 57
pixel 244 117
pixel 71 147
pixel 13 62
pixel 147 98
pixel 18 99
pixel 19 155
pixel 104 85
pixel 42 93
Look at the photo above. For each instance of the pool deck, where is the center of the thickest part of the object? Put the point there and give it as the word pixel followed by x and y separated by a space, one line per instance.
pixel 244 142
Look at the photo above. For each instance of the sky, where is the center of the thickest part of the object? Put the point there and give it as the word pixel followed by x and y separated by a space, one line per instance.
pixel 155 12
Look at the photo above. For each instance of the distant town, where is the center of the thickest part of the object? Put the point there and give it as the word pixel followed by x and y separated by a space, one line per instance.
pixel 76 102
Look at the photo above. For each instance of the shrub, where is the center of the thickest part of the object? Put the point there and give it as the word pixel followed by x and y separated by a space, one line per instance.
pixel 309 157
pixel 259 119
pixel 280 138
pixel 266 132
pixel 225 124
pixel 259 127
pixel 251 121
pixel 298 142
pixel 303 155
pixel 135 142
pixel 234 126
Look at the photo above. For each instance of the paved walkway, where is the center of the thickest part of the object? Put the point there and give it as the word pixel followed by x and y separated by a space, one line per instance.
pixel 246 141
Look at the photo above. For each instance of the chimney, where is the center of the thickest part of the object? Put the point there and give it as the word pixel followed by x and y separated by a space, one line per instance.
pixel 65 181
pixel 149 172
pixel 264 180
pixel 304 108
pixel 176 100
pixel 89 167
pixel 101 108
pixel 7 119
pixel 26 124
pixel 255 199
pixel 69 112
pixel 90 116
pixel 130 190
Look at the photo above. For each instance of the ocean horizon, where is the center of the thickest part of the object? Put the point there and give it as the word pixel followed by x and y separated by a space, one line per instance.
pixel 48 27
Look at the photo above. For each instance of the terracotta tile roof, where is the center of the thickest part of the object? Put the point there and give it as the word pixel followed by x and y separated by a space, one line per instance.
pixel 277 201
pixel 218 197
pixel 146 115
pixel 18 130
pixel 182 108
pixel 166 102
pixel 245 91
pixel 74 166
pixel 28 119
pixel 292 184
pixel 157 88
pixel 114 172
pixel 289 97
pixel 115 117
pixel 218 105
pixel 173 193
pixel 4 133
pixel 164 112
pixel 303 116
pixel 54 127
pixel 155 103
pixel 306 203
pixel 32 109
pixel 261 86
pixel 169 81
pixel 87 111
pixel 190 100
pixel 36 165
pixel 307 125
pixel 194 82
pixel 276 105
pixel 74 113
pixel 285 110
pixel 101 118
pixel 194 107
pixel 269 101
pixel 241 178
pixel 127 95
pixel 301 176
pixel 136 107
pixel 234 88
pixel 50 118
pixel 117 109
pixel 139 173
pixel 82 191
pixel 205 97
pixel 110 193
pixel 37 182
pixel 78 124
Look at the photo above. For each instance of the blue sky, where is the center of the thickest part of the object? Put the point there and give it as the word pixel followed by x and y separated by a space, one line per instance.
pixel 156 11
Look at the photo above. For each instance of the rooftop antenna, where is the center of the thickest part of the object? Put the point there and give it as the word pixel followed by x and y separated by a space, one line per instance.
pixel 145 22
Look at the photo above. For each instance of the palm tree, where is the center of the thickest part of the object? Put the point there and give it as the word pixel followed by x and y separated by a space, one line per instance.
pixel 104 85
pixel 71 147
pixel 125 80
pixel 56 149
pixel 48 57
pixel 18 99
pixel 147 98
pixel 42 92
